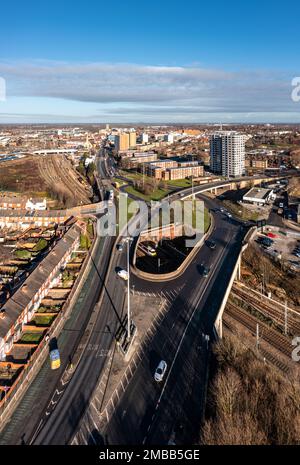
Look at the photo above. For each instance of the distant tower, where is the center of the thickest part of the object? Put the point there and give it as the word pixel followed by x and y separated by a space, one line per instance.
pixel 107 127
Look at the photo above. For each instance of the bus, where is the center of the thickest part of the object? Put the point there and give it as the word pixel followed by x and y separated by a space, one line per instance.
pixel 54 359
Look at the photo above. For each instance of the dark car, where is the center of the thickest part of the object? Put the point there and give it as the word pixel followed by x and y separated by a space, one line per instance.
pixel 211 244
pixel 205 271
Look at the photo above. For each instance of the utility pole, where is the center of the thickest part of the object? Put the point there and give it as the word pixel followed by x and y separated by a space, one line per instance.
pixel 257 336
pixel 286 319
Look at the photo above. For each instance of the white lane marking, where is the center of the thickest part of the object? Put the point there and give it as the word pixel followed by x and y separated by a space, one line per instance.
pixel 184 333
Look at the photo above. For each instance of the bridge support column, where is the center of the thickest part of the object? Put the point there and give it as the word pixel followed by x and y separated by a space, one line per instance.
pixel 238 271
pixel 219 327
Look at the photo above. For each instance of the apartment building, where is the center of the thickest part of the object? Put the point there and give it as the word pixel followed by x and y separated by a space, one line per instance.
pixel 172 169
pixel 183 172
pixel 227 153
pixel 132 139
pixel 122 142
pixel 259 164
pixel 139 159
pixel 125 141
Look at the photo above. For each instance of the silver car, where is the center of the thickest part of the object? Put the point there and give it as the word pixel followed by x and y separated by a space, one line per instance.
pixel 160 371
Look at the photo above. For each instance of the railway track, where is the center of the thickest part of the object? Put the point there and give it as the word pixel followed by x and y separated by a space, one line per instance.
pixel 269 310
pixel 264 354
pixel 59 173
pixel 269 335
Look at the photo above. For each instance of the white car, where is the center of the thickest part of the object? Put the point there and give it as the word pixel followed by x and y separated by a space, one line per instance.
pixel 123 274
pixel 160 371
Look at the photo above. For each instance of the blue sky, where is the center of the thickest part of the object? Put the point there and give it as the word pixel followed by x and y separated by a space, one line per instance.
pixel 164 61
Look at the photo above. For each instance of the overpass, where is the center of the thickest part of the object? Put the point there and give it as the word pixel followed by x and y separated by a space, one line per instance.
pixel 198 306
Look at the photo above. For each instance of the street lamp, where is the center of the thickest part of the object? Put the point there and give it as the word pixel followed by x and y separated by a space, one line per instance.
pixel 128 291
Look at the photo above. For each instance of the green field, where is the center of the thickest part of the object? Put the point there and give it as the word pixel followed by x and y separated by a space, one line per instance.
pixel 181 183
pixel 157 194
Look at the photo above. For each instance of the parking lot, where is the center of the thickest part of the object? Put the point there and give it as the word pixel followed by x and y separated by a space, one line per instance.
pixel 281 246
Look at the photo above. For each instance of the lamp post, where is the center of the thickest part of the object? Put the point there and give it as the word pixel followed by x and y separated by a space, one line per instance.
pixel 128 291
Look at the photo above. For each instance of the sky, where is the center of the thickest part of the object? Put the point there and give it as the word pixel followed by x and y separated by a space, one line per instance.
pixel 160 61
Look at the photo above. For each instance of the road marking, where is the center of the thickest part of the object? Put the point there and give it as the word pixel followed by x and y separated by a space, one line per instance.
pixel 185 331
pixel 96 427
pixel 94 406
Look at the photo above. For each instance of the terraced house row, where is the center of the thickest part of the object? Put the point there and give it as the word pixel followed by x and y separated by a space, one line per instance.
pixel 21 306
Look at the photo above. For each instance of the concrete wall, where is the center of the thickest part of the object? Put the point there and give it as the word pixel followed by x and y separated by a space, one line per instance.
pixel 236 274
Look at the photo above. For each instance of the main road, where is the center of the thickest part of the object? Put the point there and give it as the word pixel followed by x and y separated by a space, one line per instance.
pixel 149 412
pixel 62 405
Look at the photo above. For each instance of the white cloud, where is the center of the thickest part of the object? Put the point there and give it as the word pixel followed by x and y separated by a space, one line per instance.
pixel 151 90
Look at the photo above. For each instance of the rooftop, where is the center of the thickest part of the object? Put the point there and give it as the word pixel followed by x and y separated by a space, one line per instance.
pixel 257 193
pixel 22 297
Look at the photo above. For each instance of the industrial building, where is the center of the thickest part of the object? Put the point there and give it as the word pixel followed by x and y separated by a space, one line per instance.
pixel 259 196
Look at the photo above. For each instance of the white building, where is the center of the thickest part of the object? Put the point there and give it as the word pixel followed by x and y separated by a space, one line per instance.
pixel 145 138
pixel 259 196
pixel 227 153
pixel 169 138
pixel 36 204
pixel 89 160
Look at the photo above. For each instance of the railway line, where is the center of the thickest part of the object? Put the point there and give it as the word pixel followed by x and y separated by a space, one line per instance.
pixel 267 334
pixel 264 354
pixel 269 309
pixel 58 172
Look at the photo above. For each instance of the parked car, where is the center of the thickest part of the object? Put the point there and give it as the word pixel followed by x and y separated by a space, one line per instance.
pixel 160 371
pixel 120 247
